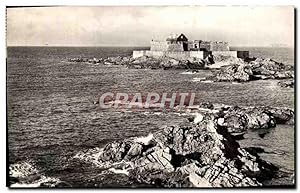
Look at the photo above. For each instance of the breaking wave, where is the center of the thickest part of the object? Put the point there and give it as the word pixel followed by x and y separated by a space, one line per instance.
pixel 123 167
pixel 25 175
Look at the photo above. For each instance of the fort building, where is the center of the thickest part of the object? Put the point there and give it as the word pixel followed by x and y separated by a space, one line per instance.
pixel 179 47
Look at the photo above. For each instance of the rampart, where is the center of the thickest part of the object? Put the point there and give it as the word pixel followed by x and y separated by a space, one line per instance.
pixel 177 55
pixel 237 54
pixel 219 46
pixel 166 46
pixel 189 54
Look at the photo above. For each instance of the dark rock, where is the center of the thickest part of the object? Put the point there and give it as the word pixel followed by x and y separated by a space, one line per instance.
pixel 266 66
pixel 206 105
pixel 239 73
pixel 115 152
pixel 271 69
pixel 188 155
pixel 286 83
pixel 236 69
pixel 282 115
pixel 239 120
pixel 166 63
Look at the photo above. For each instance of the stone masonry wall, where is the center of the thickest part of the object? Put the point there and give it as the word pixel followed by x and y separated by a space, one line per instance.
pixel 166 46
pixel 177 55
pixel 189 54
pixel 219 46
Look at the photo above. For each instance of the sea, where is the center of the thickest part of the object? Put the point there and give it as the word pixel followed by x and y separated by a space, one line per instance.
pixel 51 116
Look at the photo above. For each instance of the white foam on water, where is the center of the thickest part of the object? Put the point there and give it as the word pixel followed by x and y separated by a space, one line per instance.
pixel 201 80
pixel 204 109
pixel 146 113
pixel 198 118
pixel 219 106
pixel 118 171
pixel 92 156
pixel 221 121
pixel 207 81
pixel 181 114
pixel 52 182
pixel 144 140
pixel 22 169
pixel 215 111
pixel 197 79
pixel 152 113
pixel 188 72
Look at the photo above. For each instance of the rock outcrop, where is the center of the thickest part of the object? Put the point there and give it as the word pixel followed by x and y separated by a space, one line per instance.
pixel 199 153
pixel 238 120
pixel 269 67
pixel 237 70
pixel 166 63
pixel 286 83
pixel 147 62
pixel 229 69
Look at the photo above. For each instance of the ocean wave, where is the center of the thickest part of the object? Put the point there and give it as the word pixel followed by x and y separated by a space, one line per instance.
pixel 144 140
pixel 198 79
pixel 92 156
pixel 207 81
pixel 201 80
pixel 42 182
pixel 147 113
pixel 123 167
pixel 189 72
pixel 21 170
pixel 25 175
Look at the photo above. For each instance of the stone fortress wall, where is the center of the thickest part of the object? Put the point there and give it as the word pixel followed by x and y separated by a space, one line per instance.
pixel 179 47
pixel 177 55
pixel 166 46
pixel 219 46
pixel 189 54
pixel 208 45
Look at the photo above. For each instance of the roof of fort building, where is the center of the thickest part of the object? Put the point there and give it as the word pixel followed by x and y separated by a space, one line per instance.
pixel 175 37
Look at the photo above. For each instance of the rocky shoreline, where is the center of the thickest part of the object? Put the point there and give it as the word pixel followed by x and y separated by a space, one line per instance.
pixel 238 70
pixel 145 62
pixel 224 69
pixel 201 152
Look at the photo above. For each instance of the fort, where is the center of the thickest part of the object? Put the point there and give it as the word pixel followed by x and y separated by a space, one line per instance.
pixel 179 47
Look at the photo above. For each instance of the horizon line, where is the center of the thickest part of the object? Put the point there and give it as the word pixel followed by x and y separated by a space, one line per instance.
pixel 284 46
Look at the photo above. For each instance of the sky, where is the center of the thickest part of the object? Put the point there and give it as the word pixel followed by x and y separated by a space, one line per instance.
pixel 136 26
